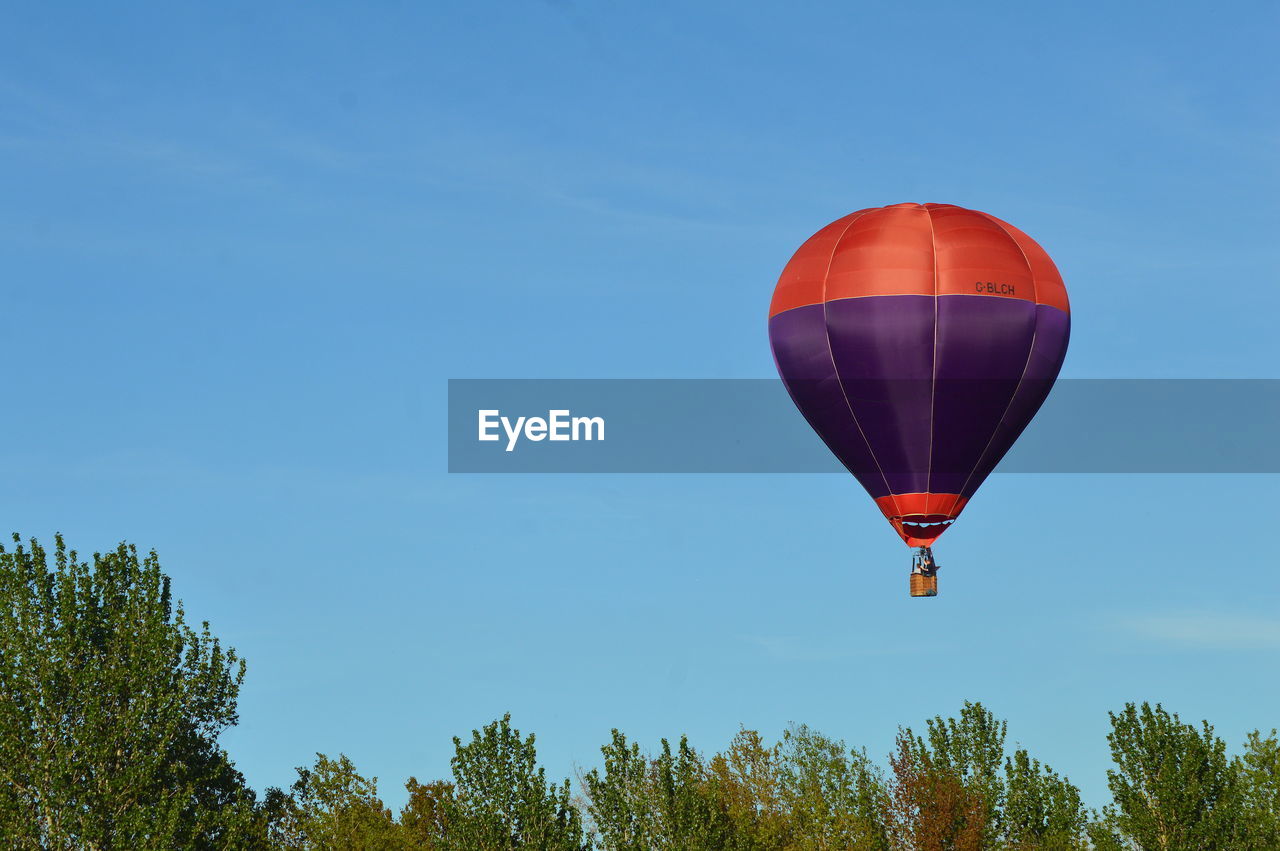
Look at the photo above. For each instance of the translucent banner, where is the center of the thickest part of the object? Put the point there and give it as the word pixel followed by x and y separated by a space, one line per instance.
pixel 751 426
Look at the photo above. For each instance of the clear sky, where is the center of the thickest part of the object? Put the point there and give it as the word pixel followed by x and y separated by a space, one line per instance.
pixel 242 249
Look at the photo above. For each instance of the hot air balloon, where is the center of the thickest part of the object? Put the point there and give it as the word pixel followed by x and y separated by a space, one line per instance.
pixel 919 340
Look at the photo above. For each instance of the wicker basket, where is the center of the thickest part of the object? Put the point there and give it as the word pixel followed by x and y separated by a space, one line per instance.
pixel 924 585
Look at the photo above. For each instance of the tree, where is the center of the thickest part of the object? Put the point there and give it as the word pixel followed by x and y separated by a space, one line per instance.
pixel 689 817
pixel 1173 786
pixel 425 816
pixel 502 799
pixel 283 817
pixel 669 802
pixel 621 800
pixel 928 806
pixel 947 790
pixel 835 796
pixel 336 809
pixel 745 783
pixel 971 749
pixel 1041 810
pixel 1259 771
pixel 110 710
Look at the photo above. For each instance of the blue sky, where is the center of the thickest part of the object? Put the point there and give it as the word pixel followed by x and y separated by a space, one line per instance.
pixel 244 248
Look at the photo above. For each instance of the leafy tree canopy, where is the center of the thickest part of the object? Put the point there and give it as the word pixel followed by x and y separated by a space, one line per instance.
pixel 110 709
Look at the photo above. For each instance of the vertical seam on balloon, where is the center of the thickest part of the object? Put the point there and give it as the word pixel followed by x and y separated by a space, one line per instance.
pixel 1035 292
pixel 826 331
pixel 933 372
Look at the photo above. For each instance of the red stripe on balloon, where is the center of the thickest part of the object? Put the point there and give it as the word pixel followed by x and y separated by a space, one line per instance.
pixel 918 249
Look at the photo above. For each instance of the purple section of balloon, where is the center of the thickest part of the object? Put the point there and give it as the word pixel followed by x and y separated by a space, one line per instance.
pixel 916 393
pixel 802 352
pixel 1048 349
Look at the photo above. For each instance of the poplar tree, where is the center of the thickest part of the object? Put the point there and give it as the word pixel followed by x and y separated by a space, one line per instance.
pixel 621 799
pixel 502 800
pixel 111 706
pixel 671 802
pixel 1041 809
pixel 836 796
pixel 1259 769
pixel 947 786
pixel 335 808
pixel 424 817
pixel 1174 787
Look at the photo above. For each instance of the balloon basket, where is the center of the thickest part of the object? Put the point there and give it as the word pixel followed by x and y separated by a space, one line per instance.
pixel 924 573
pixel 924 585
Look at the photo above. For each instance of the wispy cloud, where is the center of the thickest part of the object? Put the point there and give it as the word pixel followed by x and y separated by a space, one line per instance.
pixel 1207 629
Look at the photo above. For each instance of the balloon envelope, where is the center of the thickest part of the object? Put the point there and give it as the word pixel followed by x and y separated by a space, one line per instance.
pixel 919 340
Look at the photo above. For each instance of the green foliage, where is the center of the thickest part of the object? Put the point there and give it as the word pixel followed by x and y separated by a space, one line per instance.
pixel 956 788
pixel 1104 835
pixel 1173 785
pixel 1041 809
pixel 334 808
pixel 928 805
pixel 1259 771
pixel 688 815
pixel 671 802
pixel 836 797
pixel 502 799
pixel 947 787
pixel 745 784
pixel 806 792
pixel 110 710
pixel 425 816
pixel 283 820
pixel 971 749
pixel 621 800
pixel 809 792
